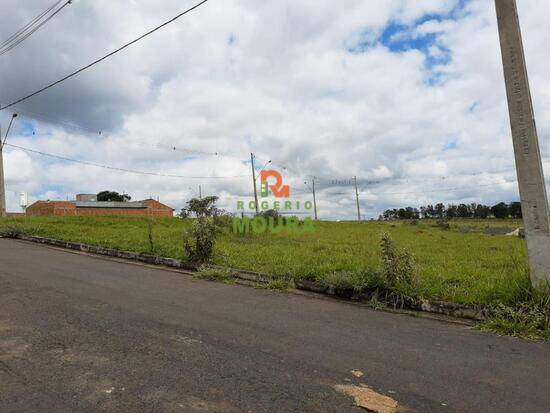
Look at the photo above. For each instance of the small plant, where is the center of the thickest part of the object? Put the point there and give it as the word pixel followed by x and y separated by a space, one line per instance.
pixel 214 274
pixel 11 232
pixel 150 238
pixel 398 266
pixel 343 280
pixel 275 284
pixel 199 240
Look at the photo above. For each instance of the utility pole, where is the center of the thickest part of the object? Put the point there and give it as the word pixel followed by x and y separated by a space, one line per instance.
pixel 314 199
pixel 357 199
pixel 312 189
pixel 3 212
pixel 2 184
pixel 534 200
pixel 254 181
pixel 200 192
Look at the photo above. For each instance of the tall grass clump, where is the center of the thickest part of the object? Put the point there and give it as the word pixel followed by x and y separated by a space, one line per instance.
pixel 398 266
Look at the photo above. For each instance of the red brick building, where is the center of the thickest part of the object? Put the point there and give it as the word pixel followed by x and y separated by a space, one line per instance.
pixel 148 207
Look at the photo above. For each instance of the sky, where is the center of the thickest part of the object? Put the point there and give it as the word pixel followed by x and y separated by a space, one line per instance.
pixel 408 96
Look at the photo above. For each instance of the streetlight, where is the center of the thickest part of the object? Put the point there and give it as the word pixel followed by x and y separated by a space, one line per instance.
pixel 9 127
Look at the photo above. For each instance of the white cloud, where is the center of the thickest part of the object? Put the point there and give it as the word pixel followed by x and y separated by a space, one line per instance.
pixel 276 79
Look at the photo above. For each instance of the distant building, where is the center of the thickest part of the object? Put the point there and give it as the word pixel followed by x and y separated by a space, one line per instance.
pixel 87 205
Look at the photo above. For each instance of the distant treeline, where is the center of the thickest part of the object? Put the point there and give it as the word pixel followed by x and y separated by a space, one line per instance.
pixel 440 211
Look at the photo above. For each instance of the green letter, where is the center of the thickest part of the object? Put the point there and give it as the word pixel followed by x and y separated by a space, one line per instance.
pixel 292 224
pixel 259 226
pixel 308 225
pixel 241 225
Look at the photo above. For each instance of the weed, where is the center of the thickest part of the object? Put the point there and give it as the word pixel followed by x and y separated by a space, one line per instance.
pixel 529 319
pixel 398 267
pixel 150 236
pixel 11 232
pixel 280 284
pixel 214 274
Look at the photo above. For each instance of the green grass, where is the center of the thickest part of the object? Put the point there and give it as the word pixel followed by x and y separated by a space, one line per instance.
pixel 453 265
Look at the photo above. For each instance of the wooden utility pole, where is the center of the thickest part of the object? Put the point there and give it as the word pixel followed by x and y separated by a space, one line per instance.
pixel 254 181
pixel 534 200
pixel 314 198
pixel 357 199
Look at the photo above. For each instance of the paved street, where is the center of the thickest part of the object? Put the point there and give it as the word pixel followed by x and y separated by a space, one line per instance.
pixel 79 333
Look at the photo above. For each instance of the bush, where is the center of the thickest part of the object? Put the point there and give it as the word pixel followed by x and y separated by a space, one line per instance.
pixel 398 267
pixel 199 240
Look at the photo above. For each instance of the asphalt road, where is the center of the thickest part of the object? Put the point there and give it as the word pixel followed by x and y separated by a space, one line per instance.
pixel 79 333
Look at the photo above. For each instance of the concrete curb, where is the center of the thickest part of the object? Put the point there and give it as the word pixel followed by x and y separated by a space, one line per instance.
pixel 426 306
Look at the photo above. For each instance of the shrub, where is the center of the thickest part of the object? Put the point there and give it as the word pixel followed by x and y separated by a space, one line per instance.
pixel 199 240
pixel 398 267
pixel 11 232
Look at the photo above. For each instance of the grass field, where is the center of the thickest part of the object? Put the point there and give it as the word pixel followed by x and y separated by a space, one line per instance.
pixel 461 264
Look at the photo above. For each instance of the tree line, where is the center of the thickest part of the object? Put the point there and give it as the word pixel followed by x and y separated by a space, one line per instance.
pixel 440 211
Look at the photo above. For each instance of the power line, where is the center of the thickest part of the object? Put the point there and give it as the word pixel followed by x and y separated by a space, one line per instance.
pixel 97 165
pixel 104 57
pixel 32 115
pixel 17 40
pixel 28 25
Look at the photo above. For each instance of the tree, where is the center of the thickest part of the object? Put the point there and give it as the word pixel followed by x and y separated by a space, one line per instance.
pixel 430 212
pixel 439 211
pixel 482 212
pixel 201 207
pixel 110 196
pixel 452 211
pixel 500 210
pixel 515 210
pixel 464 211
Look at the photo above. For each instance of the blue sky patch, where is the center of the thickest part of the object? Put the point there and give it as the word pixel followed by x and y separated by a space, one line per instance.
pixel 450 146
pixel 399 38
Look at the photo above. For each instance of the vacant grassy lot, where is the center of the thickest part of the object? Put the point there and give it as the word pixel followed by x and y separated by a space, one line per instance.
pixel 462 264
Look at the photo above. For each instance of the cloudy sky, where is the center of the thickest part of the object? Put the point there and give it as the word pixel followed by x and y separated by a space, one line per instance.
pixel 406 95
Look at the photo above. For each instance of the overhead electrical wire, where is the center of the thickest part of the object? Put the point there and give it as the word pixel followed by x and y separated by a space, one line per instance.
pixel 97 165
pixel 24 33
pixel 28 25
pixel 126 45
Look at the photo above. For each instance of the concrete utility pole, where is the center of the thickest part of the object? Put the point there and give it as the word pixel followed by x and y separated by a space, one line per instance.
pixel 3 212
pixel 534 200
pixel 254 181
pixel 357 199
pixel 2 185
